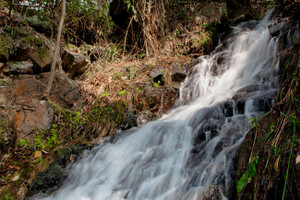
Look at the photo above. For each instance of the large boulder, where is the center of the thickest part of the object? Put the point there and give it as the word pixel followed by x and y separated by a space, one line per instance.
pixel 178 73
pixel 38 116
pixel 39 49
pixel 74 63
pixel 29 111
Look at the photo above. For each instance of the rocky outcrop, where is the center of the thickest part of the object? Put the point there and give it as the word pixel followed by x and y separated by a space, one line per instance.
pixel 38 48
pixel 21 100
pixel 270 150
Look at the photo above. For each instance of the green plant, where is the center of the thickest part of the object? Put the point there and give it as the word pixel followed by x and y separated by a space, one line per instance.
pixel 122 92
pixel 293 119
pixel 130 7
pixel 248 175
pixel 23 142
pixel 156 84
pixel 106 94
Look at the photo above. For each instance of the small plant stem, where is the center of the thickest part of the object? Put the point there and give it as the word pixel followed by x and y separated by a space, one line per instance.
pixel 287 170
pixel 252 147
pixel 124 48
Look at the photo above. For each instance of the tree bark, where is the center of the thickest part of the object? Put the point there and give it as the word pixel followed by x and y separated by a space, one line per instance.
pixel 56 52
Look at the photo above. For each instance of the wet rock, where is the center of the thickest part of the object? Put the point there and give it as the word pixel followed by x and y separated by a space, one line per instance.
pixel 190 65
pixel 178 73
pixel 144 117
pixel 129 121
pixel 277 27
pixel 23 67
pixel 212 193
pixel 52 178
pixel 74 63
pixel 158 75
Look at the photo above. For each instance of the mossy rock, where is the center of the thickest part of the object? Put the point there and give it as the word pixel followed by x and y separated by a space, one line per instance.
pixel 50 179
pixel 6 47
pixel 29 41
pixel 40 24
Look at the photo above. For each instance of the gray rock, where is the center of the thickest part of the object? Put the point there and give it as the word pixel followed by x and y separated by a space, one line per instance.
pixel 178 73
pixel 277 27
pixel 144 117
pixel 158 75
pixel 23 67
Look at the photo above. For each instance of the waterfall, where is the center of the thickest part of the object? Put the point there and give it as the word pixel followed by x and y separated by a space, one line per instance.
pixel 188 153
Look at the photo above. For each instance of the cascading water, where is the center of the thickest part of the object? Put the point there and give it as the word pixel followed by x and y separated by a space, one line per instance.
pixel 188 153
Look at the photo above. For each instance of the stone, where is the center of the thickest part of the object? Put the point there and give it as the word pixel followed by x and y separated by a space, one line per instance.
pixel 40 116
pixel 53 177
pixel 39 49
pixel 33 86
pixel 7 134
pixel 74 63
pixel 23 67
pixel 1 66
pixel 41 24
pixel 178 73
pixel 277 27
pixel 68 95
pixel 158 75
pixel 129 121
pixel 144 117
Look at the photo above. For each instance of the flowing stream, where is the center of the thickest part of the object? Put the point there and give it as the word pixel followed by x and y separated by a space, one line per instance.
pixel 187 154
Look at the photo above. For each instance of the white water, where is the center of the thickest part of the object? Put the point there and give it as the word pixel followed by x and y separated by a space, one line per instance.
pixel 187 154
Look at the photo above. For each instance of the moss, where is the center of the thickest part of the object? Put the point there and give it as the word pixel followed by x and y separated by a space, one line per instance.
pixel 43 52
pixel 28 41
pixel 6 47
pixel 38 21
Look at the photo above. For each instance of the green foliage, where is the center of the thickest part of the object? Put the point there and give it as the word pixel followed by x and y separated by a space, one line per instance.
pixel 156 84
pixel 44 142
pixel 122 92
pixel 106 94
pixel 23 142
pixel 253 123
pixel 272 128
pixel 248 175
pixel 295 123
pixel 130 7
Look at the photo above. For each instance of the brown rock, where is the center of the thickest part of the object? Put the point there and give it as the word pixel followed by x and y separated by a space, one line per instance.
pixel 38 117
pixel 74 63
pixel 40 52
pixel 64 90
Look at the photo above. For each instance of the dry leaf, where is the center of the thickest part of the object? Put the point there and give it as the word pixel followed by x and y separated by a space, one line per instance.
pixel 37 154
pixel 71 158
pixel 297 159
pixel 16 177
pixel 276 164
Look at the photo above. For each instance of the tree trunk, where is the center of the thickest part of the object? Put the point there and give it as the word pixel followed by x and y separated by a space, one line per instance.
pixel 56 52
